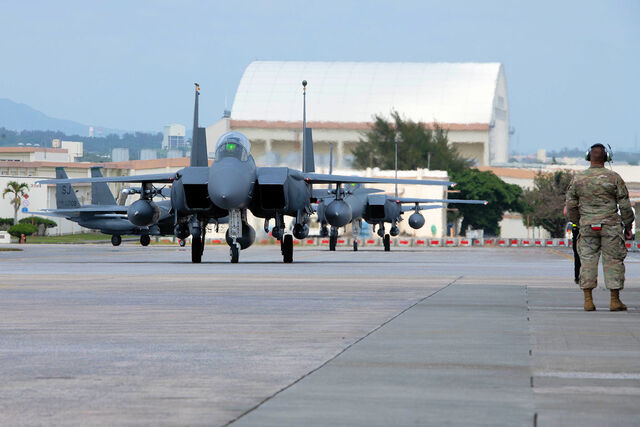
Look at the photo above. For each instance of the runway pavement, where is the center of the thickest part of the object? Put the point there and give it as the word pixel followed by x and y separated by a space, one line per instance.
pixel 97 335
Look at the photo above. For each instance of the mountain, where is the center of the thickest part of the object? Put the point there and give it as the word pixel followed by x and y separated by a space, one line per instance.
pixel 16 116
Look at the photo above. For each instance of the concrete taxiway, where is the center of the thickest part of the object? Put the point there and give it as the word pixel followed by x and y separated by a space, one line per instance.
pixel 96 335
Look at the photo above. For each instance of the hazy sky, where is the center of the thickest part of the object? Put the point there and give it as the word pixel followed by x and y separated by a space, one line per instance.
pixel 572 67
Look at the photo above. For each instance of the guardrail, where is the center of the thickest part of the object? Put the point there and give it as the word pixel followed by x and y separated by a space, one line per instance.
pixel 416 242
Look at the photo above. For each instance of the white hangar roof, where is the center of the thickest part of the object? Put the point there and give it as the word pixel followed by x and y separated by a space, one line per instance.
pixel 455 93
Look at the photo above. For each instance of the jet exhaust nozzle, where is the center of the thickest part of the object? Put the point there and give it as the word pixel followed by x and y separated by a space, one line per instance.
pixel 338 213
pixel 143 213
pixel 416 220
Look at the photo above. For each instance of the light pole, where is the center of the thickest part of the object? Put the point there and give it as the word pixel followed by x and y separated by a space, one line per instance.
pixel 395 142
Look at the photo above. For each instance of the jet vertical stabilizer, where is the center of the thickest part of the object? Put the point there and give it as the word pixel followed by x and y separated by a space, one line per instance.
pixel 65 195
pixel 199 139
pixel 100 192
pixel 308 161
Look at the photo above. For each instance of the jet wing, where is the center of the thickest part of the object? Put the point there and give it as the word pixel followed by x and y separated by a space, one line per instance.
pixel 71 213
pixel 156 177
pixel 317 178
pixel 422 207
pixel 460 201
pixel 91 209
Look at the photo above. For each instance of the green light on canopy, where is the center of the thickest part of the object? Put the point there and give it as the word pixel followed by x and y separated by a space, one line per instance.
pixel 352 184
pixel 231 146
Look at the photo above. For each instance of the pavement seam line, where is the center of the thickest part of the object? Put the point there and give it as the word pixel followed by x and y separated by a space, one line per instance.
pixel 334 357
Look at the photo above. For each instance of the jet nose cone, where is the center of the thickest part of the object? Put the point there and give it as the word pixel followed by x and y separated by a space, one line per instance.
pixel 230 186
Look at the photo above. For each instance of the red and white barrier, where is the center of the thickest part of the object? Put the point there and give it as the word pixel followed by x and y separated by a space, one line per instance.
pixel 435 242
pixel 450 242
pixel 405 243
pixel 372 241
pixel 421 243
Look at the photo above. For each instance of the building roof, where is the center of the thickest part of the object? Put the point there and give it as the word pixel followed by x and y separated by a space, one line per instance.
pixel 517 173
pixel 32 150
pixel 263 124
pixel 454 93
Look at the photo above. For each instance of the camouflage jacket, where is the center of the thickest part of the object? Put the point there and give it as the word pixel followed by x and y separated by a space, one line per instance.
pixel 594 196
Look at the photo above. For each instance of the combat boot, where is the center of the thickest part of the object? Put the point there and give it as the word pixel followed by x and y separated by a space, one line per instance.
pixel 616 304
pixel 588 300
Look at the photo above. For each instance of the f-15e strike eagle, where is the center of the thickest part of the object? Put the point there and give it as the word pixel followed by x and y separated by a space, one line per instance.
pixel 357 204
pixel 231 186
pixel 104 214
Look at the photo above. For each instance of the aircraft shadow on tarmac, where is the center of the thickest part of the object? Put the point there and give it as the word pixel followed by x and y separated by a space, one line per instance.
pixel 227 262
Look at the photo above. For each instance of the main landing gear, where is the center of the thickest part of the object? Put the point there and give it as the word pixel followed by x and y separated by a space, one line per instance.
pixel 197 248
pixel 145 240
pixel 286 247
pixel 355 244
pixel 333 239
pixel 116 240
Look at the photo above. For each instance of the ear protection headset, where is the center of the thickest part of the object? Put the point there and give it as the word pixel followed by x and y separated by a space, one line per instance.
pixel 608 157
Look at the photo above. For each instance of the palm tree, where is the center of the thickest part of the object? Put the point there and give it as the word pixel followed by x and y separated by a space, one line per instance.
pixel 16 190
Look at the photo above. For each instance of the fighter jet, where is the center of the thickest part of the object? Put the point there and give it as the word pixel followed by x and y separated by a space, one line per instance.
pixel 375 209
pixel 103 213
pixel 233 185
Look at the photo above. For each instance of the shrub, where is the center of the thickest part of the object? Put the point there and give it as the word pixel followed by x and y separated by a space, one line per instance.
pixel 37 220
pixel 26 229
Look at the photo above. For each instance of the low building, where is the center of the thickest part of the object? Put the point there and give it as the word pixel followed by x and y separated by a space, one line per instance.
pixel 173 137
pixel 34 154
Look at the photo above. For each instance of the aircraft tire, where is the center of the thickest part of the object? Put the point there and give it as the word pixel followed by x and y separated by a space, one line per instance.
pixel 333 240
pixel 196 249
pixel 355 245
pixel 234 251
pixel 287 249
pixel 387 243
pixel 145 240
pixel 116 240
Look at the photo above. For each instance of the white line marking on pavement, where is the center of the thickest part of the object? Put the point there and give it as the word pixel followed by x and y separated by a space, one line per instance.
pixel 590 375
pixel 623 391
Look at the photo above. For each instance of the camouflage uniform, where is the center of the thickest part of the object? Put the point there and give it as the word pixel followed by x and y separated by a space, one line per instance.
pixel 593 199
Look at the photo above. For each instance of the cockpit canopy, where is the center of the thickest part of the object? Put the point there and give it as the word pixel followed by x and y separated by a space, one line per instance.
pixel 233 144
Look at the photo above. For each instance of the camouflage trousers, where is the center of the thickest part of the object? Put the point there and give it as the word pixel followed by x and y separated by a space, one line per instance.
pixel 610 241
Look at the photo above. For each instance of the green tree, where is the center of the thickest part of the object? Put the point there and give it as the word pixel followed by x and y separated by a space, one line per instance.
pixel 418 146
pixel 26 229
pixel 39 221
pixel 544 204
pixel 479 185
pixel 415 142
pixel 16 190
